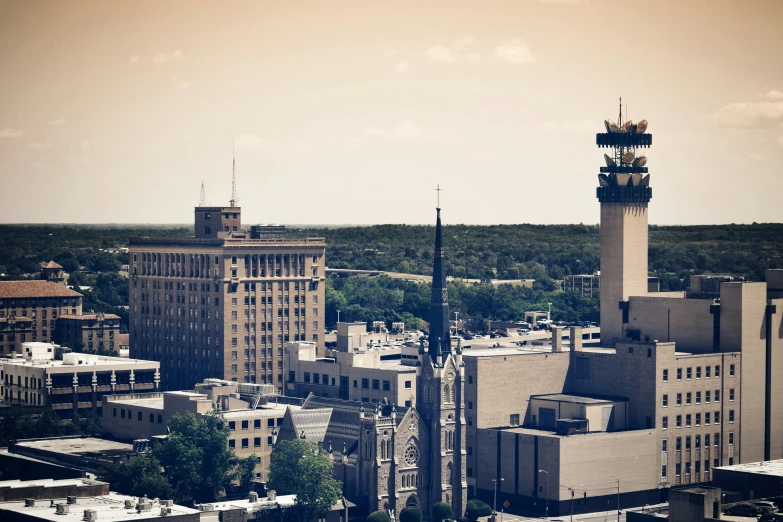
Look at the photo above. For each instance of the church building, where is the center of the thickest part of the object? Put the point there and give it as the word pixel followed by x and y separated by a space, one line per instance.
pixel 391 456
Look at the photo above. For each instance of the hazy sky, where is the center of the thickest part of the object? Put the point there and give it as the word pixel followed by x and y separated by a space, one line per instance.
pixel 352 111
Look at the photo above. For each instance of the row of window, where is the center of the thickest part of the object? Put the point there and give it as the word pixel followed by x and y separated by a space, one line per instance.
pixel 697 417
pixel 697 442
pixel 139 416
pixel 690 395
pixel 696 467
pixel 245 443
pixel 689 372
pixel 245 424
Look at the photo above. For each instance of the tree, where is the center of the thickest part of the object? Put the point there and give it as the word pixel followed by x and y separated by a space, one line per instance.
pixel 476 508
pixel 196 458
pixel 378 516
pixel 298 467
pixel 410 514
pixel 441 511
pixel 138 476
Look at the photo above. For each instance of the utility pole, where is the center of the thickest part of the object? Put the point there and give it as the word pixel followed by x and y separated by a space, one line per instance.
pixel 546 500
pixel 495 503
pixel 466 256
pixel 50 247
pixel 572 501
pixel 618 497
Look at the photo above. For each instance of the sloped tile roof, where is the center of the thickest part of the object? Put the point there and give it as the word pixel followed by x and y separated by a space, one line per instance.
pixel 34 288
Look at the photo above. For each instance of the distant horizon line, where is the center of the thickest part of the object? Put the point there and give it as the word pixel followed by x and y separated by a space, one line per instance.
pixel 365 225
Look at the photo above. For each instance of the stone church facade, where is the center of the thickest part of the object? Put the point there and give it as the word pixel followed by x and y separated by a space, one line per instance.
pixel 389 457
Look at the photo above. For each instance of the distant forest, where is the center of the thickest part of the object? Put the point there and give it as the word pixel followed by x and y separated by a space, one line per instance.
pixel 541 252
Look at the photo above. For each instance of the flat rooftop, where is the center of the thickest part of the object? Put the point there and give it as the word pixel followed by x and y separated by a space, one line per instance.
pixel 528 350
pixel 578 399
pixel 108 507
pixel 78 446
pixel 250 507
pixel 267 410
pixel 91 361
pixel 145 402
pixel 770 467
pixel 46 483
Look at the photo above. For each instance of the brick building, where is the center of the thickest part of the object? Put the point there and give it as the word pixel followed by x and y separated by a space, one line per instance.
pixel 224 303
pixel 95 332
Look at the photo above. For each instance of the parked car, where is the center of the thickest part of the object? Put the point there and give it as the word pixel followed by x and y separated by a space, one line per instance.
pixel 743 510
pixel 771 517
pixel 765 506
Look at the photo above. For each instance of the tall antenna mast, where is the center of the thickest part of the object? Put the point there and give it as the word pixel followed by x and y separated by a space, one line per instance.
pixel 202 200
pixel 233 201
pixel 438 191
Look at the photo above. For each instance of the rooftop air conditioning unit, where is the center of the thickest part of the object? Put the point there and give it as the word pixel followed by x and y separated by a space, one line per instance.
pixel 90 515
pixel 165 511
pixel 253 496
pixel 128 503
pixel 29 502
pixel 62 509
pixel 168 503
pixel 70 499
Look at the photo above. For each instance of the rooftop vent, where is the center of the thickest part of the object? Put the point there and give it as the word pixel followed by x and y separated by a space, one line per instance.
pixel 29 502
pixel 253 496
pixel 70 499
pixel 271 494
pixel 90 515
pixel 128 503
pixel 168 503
pixel 62 509
pixel 165 511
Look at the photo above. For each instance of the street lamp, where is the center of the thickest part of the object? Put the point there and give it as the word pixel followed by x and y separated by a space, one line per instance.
pixel 572 501
pixel 546 499
pixel 618 496
pixel 338 316
pixel 495 503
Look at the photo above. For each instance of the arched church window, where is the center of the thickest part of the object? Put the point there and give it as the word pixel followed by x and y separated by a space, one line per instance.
pixel 389 449
pixel 454 393
pixel 446 394
pixel 426 393
pixel 383 450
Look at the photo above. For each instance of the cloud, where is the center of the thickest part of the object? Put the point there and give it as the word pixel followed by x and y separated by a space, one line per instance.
pixel 473 57
pixel 85 144
pixel 39 145
pixel 465 41
pixel 11 133
pixel 570 126
pixel 441 53
pixel 163 57
pixel 403 67
pixel 55 123
pixel 406 129
pixel 762 113
pixel 514 51
pixel 134 58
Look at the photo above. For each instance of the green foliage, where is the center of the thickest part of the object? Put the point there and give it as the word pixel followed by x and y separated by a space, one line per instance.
pixel 16 425
pixel 138 476
pixel 299 467
pixel 196 462
pixel 410 514
pixel 441 511
pixel 378 516
pixel 475 509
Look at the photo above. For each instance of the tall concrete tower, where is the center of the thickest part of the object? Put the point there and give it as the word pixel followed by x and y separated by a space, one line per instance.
pixel 624 192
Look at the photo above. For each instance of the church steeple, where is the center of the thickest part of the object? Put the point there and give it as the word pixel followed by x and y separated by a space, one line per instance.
pixel 439 338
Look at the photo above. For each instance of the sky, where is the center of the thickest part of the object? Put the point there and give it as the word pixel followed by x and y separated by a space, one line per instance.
pixel 352 112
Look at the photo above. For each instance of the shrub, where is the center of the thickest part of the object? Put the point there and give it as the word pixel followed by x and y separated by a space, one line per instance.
pixel 441 511
pixel 378 516
pixel 476 509
pixel 410 514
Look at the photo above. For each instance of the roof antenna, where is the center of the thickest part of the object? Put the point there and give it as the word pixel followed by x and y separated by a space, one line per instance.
pixel 438 191
pixel 202 200
pixel 620 119
pixel 233 201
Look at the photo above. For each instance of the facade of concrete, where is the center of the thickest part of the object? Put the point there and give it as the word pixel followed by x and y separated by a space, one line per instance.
pixel 16 490
pixel 355 375
pixel 75 382
pixel 223 304
pixel 585 285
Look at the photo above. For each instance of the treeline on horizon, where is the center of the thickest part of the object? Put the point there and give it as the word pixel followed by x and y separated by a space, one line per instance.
pixel 478 252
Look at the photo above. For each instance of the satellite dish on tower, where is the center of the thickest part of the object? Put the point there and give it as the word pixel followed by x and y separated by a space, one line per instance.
pixel 628 157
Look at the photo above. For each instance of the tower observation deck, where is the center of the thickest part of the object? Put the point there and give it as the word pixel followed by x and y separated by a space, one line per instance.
pixel 624 192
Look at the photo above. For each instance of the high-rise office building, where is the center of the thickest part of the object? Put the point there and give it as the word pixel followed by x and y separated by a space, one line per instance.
pixel 224 302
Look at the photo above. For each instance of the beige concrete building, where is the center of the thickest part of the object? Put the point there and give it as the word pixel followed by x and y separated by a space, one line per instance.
pixel 224 302
pixel 96 332
pixel 146 415
pixel 29 311
pixel 583 284
pixel 77 381
pixel 356 375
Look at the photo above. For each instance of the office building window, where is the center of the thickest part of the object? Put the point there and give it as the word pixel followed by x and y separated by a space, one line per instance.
pixel 679 399
pixel 698 397
pixel 679 421
pixel 256 442
pixel 707 418
pixel 678 444
pixel 688 373
pixel 663 471
pixel 731 416
pixel 664 445
pixel 232 425
pixel 731 394
pixel 707 376
pixel 731 438
pixel 665 422
pixel 245 443
pixel 232 443
pixel 365 384
pixel 514 419
pixel 376 385
pixel 677 469
pixel 698 419
pixel 707 396
pixel 257 424
pixel 717 395
pixel 698 372
pixel 688 398
pixel 407 385
pixel 386 385
pixel 688 420
pixel 717 371
pixel 687 442
pixel 245 424
pixel 665 401
pixel 697 441
pixel 717 417
pixel 679 374
pixel 306 376
pixel 731 370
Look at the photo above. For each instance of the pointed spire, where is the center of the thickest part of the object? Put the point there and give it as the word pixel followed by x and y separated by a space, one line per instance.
pixel 439 303
pixel 202 200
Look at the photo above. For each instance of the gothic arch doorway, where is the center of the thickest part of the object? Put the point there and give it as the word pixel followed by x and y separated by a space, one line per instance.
pixel 412 501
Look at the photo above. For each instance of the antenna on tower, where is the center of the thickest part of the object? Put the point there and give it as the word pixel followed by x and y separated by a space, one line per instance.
pixel 202 200
pixel 233 201
pixel 438 191
pixel 620 119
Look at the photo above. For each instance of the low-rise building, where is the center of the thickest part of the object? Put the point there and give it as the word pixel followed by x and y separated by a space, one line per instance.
pixel 92 332
pixel 252 422
pixel 16 490
pixel 110 507
pixel 75 451
pixel 585 285
pixel 356 375
pixel 75 382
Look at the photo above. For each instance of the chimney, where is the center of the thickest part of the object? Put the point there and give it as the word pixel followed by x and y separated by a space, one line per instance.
pixel 271 495
pixel 557 339
pixel 253 497
pixel 576 339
